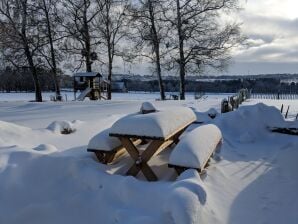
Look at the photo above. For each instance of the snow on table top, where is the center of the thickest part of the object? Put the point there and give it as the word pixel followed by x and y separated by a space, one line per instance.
pixel 196 147
pixel 161 124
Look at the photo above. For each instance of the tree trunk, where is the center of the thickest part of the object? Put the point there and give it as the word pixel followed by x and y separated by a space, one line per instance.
pixel 156 51
pixel 38 96
pixel 158 69
pixel 110 79
pixel 110 69
pixel 53 56
pixel 88 59
pixel 181 52
pixel 110 51
pixel 87 40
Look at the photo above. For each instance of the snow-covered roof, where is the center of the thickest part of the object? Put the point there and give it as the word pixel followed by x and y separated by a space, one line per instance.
pixel 87 74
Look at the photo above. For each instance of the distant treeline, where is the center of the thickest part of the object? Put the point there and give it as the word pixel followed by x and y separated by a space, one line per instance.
pixel 20 80
pixel 259 85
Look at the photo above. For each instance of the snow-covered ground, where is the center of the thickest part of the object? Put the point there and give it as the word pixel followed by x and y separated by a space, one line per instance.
pixel 47 177
pixel 69 96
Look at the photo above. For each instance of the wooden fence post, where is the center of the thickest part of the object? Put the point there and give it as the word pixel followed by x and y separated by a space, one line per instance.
pixel 287 112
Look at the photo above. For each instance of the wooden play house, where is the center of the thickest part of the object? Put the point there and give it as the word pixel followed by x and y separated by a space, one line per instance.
pixel 90 84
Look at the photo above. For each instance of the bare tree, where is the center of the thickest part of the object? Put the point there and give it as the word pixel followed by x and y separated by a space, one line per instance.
pixel 50 18
pixel 110 25
pixel 200 37
pixel 79 16
pixel 148 33
pixel 20 40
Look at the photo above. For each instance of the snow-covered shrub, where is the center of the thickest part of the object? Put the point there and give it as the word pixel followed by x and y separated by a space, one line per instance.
pixel 62 127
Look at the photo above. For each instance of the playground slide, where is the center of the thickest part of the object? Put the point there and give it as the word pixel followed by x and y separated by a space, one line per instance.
pixel 83 94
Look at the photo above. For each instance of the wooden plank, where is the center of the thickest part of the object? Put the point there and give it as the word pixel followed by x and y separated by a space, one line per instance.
pixel 111 157
pixel 210 155
pixel 133 170
pixel 140 160
pixel 134 154
pixel 135 142
pixel 136 136
pixel 107 157
pixel 177 135
pixel 100 156
pixel 148 172
pixel 152 148
pixel 130 147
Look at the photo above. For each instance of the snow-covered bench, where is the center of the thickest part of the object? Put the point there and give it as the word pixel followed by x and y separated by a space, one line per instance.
pixel 107 148
pixel 195 148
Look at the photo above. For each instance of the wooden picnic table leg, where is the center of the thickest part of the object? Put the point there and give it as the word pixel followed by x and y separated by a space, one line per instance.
pixel 153 147
pixel 134 154
pixel 140 160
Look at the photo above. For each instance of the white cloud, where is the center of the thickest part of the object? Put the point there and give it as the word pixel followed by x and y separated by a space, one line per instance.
pixel 273 8
pixel 272 30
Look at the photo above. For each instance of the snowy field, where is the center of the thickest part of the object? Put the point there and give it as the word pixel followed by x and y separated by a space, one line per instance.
pixel 47 177
pixel 69 96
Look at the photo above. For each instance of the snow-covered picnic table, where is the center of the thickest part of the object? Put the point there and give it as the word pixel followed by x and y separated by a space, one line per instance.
pixel 162 128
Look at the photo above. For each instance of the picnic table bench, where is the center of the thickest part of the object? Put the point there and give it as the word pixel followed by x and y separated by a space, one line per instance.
pixel 196 148
pixel 107 149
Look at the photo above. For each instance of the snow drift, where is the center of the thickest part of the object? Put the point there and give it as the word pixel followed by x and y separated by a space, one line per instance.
pixel 38 188
pixel 250 123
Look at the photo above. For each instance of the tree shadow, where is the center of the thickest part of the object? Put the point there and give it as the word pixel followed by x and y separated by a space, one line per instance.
pixel 269 196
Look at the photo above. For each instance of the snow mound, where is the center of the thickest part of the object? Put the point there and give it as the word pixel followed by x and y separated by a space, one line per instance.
pixel 47 148
pixel 147 107
pixel 195 147
pixel 6 127
pixel 55 187
pixel 10 132
pixel 186 199
pixel 202 117
pixel 160 124
pixel 102 141
pixel 63 127
pixel 246 137
pixel 249 123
